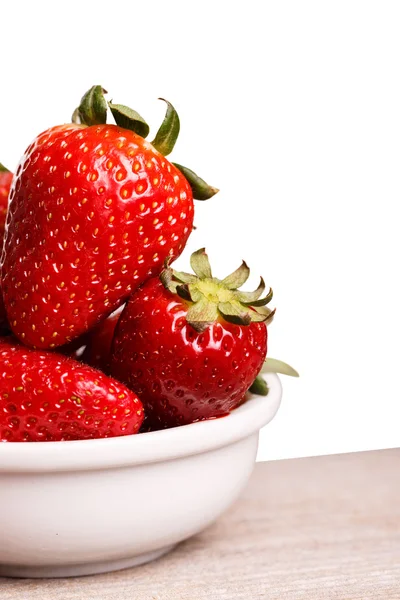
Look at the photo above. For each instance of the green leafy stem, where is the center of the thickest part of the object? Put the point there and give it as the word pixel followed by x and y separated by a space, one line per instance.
pixel 92 110
pixel 271 365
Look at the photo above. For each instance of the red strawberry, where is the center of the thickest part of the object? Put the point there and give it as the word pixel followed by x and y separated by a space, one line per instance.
pixel 98 343
pixel 94 211
pixel 190 346
pixel 5 184
pixel 48 397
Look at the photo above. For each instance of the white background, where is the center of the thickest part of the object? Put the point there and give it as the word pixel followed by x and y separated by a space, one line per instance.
pixel 292 109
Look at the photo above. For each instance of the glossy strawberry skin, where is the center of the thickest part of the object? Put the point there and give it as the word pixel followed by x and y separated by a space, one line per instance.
pixel 94 211
pixel 48 397
pixel 180 375
pixel 5 184
pixel 98 343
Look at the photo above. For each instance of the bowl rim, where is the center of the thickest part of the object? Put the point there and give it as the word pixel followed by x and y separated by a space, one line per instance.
pixel 145 448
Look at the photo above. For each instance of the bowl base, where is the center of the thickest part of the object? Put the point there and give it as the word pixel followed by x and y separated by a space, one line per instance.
pixel 78 570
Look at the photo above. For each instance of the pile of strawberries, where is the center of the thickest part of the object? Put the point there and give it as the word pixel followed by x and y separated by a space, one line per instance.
pixel 100 337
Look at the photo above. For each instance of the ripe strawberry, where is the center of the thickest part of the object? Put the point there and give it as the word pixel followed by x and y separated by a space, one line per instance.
pixel 98 343
pixel 5 184
pixel 94 211
pixel 48 397
pixel 190 346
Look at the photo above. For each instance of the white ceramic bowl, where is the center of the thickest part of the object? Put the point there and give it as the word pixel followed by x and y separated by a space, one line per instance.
pixel 76 508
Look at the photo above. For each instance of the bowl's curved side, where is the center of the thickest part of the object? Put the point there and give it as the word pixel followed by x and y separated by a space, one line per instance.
pixel 87 522
pixel 157 446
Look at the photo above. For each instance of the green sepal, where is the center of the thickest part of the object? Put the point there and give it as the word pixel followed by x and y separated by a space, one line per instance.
pixel 93 107
pixel 168 133
pixel 200 189
pixel 175 285
pixel 257 317
pixel 76 118
pixel 259 386
pixel 183 292
pixel 3 169
pixel 234 314
pixel 210 298
pixel 195 293
pixel 250 297
pixel 237 278
pixel 272 365
pixel 201 315
pixel 262 301
pixel 166 277
pixel 129 119
pixel 262 314
pixel 200 264
pixel 185 277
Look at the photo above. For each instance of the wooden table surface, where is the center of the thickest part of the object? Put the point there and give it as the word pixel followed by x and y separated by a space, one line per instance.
pixel 312 529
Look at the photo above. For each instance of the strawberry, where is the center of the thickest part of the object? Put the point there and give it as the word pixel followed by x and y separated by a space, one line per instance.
pixel 5 184
pixel 94 211
pixel 98 343
pixel 48 397
pixel 191 345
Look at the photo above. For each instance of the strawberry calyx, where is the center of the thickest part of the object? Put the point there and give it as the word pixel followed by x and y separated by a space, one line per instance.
pixel 200 189
pixel 3 169
pixel 168 132
pixel 259 386
pixel 92 110
pixel 271 365
pixel 129 119
pixel 211 299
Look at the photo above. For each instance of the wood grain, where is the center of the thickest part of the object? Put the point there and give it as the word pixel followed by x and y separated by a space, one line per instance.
pixel 306 529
